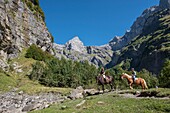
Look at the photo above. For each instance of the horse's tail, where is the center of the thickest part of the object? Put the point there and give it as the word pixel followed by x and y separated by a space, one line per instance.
pixel 96 79
pixel 112 79
pixel 146 87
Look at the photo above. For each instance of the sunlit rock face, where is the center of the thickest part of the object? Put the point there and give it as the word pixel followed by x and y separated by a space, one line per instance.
pixel 19 28
pixel 75 44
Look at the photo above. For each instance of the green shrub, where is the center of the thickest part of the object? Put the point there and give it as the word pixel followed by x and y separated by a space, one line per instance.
pixel 37 54
pixel 151 80
pixel 38 71
pixel 116 72
pixel 164 78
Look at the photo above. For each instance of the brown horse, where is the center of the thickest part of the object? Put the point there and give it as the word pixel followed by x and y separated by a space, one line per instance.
pixel 138 81
pixel 101 81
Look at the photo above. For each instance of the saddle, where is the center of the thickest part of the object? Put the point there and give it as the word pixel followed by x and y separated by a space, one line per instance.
pixel 134 80
pixel 106 78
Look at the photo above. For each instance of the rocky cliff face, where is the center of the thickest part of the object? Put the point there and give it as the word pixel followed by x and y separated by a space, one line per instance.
pixel 149 45
pixel 20 26
pixel 75 50
pixel 136 28
pixel 164 4
pixel 139 24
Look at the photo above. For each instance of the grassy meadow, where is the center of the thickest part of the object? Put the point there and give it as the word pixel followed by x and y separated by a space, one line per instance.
pixel 111 103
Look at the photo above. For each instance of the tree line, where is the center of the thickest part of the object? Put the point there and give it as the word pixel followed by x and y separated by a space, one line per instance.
pixel 54 72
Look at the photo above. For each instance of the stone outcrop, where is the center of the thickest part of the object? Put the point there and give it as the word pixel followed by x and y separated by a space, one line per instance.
pixel 76 93
pixel 13 102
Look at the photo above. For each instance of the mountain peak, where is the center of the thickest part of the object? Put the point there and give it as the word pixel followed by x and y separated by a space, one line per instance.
pixel 75 44
pixel 76 38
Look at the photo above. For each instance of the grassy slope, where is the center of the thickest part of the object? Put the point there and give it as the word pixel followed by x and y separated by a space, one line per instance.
pixel 21 81
pixel 6 82
pixel 112 103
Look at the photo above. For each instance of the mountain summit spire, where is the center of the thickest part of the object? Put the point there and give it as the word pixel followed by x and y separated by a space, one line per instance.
pixel 75 44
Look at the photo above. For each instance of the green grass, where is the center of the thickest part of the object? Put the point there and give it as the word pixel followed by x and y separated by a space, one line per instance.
pixel 33 87
pixel 111 103
pixel 160 92
pixel 21 81
pixel 25 63
pixel 6 82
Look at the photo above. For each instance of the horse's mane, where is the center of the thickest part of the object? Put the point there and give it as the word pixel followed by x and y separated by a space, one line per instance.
pixel 127 75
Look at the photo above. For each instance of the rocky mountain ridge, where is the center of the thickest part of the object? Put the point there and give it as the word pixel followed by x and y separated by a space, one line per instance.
pixel 75 50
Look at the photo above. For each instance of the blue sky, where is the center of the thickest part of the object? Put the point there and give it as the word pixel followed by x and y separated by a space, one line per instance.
pixel 96 22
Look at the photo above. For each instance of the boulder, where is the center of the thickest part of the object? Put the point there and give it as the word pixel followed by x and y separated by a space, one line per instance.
pixel 76 93
pixel 29 108
pixel 90 92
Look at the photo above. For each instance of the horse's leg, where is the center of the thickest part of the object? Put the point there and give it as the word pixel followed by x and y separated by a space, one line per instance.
pixel 130 86
pixel 103 87
pixel 143 86
pixel 111 86
pixel 98 87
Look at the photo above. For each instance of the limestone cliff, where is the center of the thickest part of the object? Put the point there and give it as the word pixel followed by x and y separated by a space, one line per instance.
pixel 21 24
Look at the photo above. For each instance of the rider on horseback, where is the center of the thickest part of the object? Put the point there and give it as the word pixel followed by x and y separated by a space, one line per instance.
pixel 102 72
pixel 133 74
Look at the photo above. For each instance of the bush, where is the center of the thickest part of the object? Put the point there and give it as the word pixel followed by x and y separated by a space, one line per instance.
pixel 37 54
pixel 151 80
pixel 164 78
pixel 116 72
pixel 38 71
